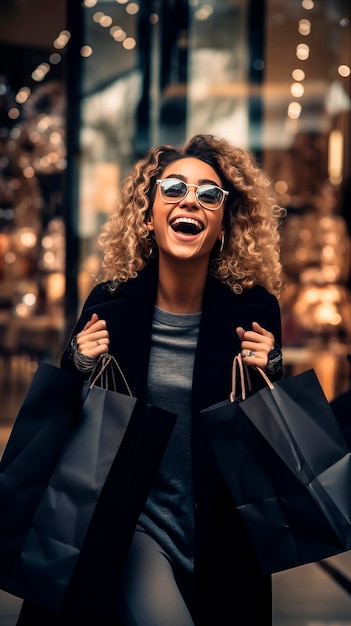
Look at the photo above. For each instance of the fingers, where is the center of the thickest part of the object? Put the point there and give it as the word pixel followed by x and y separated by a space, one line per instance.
pixel 94 339
pixel 258 334
pixel 255 344
pixel 240 332
pixel 94 318
pixel 262 331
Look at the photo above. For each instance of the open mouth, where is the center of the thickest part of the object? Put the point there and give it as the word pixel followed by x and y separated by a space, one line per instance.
pixel 186 225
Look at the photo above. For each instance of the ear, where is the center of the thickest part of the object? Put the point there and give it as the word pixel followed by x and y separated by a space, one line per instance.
pixel 150 223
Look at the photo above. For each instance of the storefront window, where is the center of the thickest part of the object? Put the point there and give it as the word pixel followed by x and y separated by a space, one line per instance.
pixel 218 79
pixel 111 92
pixel 306 149
pixel 33 162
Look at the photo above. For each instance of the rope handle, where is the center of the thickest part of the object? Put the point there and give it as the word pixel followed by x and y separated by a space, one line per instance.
pixel 104 362
pixel 239 364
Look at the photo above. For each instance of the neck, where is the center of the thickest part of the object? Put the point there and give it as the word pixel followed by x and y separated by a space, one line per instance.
pixel 181 287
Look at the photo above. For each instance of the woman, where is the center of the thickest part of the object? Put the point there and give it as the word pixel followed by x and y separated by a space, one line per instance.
pixel 190 277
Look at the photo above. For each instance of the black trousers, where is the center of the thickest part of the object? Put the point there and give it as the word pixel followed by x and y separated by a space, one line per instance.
pixel 147 595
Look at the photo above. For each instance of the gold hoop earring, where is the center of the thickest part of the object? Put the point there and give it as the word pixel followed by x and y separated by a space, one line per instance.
pixel 152 243
pixel 222 243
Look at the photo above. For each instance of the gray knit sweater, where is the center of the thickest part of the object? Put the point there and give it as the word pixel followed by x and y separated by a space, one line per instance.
pixel 168 512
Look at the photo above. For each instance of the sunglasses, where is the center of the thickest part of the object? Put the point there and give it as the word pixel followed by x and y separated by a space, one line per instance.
pixel 174 190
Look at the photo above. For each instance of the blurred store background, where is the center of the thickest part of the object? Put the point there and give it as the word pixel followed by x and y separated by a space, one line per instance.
pixel 86 87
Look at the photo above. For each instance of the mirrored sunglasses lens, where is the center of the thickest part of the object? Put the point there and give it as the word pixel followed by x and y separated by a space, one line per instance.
pixel 173 189
pixel 210 196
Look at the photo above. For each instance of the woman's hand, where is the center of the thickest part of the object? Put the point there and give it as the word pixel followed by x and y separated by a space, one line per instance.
pixel 94 339
pixel 256 344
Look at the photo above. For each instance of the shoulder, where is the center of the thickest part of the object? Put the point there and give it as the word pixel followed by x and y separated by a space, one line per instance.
pixel 144 284
pixel 241 309
pixel 259 294
pixel 256 295
pixel 102 292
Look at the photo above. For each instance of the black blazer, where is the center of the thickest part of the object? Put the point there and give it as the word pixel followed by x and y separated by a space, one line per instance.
pixel 227 579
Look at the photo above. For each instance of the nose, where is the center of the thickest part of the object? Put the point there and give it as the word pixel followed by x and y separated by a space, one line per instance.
pixel 190 197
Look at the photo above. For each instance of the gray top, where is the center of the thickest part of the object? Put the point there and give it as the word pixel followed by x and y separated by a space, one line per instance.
pixel 168 512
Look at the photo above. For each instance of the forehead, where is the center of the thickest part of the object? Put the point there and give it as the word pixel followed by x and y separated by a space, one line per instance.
pixel 191 170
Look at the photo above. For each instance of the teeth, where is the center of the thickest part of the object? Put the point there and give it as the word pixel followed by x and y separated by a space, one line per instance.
pixel 187 220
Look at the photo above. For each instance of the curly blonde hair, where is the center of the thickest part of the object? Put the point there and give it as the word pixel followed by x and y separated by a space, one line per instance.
pixel 251 252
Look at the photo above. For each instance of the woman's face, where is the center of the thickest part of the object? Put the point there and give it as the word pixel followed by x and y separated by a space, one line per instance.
pixel 183 228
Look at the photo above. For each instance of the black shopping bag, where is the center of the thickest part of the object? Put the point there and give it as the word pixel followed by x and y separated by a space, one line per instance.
pixel 288 468
pixel 68 437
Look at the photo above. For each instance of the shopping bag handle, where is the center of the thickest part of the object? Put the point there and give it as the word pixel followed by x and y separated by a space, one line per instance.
pixel 104 362
pixel 244 376
pixel 238 367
